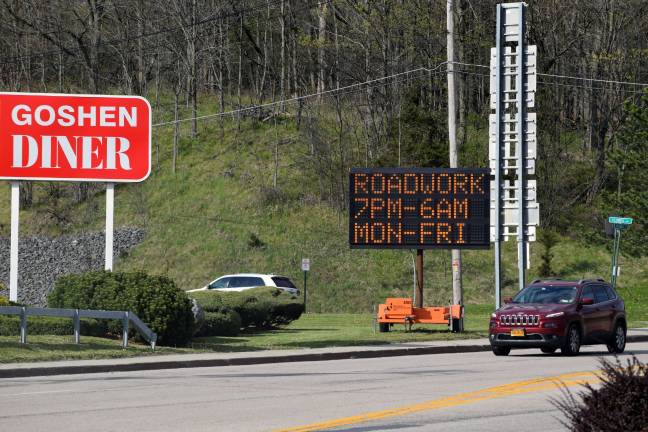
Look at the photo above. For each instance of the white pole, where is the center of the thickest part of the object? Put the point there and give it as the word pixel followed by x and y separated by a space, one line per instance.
pixel 13 257
pixel 457 289
pixel 110 205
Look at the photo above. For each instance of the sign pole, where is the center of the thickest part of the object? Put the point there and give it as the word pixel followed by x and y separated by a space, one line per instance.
pixel 305 279
pixel 496 212
pixel 521 145
pixel 419 278
pixel 305 266
pixel 618 224
pixel 110 206
pixel 13 257
pixel 615 256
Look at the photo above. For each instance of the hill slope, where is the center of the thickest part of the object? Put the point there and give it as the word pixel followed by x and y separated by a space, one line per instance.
pixel 220 213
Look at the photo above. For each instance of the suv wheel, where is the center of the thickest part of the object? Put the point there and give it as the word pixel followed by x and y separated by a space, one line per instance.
pixel 501 350
pixel 572 343
pixel 618 341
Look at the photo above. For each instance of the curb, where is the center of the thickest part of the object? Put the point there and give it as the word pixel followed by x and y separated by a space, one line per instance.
pixel 244 361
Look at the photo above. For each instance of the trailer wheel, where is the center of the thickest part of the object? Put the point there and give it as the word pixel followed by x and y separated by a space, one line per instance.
pixel 383 327
pixel 455 326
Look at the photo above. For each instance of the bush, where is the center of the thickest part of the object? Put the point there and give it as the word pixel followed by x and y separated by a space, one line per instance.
pixel 4 301
pixel 261 307
pixel 10 326
pixel 225 322
pixel 620 403
pixel 154 299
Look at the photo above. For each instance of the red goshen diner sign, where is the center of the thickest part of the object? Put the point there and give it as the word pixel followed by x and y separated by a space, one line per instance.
pixel 74 137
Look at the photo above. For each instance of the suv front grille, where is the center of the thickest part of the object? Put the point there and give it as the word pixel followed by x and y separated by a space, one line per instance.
pixel 519 320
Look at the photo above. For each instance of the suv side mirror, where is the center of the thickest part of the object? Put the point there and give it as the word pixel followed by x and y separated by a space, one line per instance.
pixel 508 300
pixel 587 301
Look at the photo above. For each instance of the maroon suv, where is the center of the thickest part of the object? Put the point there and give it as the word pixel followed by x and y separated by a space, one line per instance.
pixel 554 314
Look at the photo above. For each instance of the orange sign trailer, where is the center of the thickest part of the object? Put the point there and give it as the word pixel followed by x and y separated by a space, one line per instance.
pixel 402 311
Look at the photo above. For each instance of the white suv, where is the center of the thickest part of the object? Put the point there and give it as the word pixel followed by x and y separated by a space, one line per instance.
pixel 244 281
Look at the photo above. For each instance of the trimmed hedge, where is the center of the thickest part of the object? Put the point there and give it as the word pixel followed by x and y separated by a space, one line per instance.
pixel 261 307
pixel 154 299
pixel 10 326
pixel 226 322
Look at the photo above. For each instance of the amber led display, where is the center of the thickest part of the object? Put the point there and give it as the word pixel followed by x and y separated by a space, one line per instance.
pixel 419 208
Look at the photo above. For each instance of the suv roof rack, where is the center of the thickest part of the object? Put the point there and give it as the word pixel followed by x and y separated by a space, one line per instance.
pixel 581 281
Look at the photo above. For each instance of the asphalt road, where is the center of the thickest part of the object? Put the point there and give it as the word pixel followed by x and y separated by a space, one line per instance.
pixel 443 392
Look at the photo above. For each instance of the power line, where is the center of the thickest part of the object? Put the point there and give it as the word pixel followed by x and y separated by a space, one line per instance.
pixel 343 90
pixel 299 98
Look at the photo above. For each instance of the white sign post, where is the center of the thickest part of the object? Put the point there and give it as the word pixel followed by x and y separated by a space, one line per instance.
pixel 13 256
pixel 110 209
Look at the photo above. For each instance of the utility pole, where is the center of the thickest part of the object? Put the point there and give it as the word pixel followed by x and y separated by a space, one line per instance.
pixel 457 291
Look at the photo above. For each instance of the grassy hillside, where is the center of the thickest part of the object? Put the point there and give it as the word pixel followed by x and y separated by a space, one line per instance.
pixel 219 213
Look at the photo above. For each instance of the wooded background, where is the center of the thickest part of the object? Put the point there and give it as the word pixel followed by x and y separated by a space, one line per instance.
pixel 364 82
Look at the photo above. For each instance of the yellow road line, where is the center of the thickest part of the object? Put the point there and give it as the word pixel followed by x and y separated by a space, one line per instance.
pixel 519 387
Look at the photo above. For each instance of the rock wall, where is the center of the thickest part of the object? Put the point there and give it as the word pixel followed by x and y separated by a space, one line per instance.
pixel 41 260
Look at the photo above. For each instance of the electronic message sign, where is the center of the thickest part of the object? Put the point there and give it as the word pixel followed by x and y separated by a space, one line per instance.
pixel 419 208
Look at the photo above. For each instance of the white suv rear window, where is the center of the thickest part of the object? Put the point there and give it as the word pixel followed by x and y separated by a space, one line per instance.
pixel 283 282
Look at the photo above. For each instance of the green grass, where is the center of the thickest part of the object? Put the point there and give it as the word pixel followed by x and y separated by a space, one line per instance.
pixel 310 331
pixel 50 348
pixel 332 330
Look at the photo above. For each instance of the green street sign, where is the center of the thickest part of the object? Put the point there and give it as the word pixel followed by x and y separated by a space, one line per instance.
pixel 620 220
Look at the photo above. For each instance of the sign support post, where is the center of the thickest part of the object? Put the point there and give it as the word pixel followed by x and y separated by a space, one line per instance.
pixel 305 279
pixel 110 207
pixel 520 150
pixel 305 266
pixel 419 278
pixel 619 224
pixel 497 169
pixel 13 257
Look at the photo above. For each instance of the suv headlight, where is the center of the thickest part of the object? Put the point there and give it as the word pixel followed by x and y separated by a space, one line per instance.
pixel 555 315
pixel 493 315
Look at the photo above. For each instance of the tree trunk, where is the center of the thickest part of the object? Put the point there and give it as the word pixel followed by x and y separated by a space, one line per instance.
pixel 176 130
pixel 321 39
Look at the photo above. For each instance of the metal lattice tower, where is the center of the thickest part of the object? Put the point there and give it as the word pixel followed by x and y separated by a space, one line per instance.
pixel 512 143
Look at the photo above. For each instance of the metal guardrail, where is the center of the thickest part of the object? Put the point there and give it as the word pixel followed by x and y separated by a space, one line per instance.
pixel 76 314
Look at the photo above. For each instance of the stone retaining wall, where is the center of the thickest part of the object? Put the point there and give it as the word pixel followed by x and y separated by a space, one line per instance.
pixel 41 260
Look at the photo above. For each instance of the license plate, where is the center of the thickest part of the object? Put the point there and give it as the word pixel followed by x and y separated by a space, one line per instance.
pixel 517 332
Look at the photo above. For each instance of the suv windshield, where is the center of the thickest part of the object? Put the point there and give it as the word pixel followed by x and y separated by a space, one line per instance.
pixel 548 294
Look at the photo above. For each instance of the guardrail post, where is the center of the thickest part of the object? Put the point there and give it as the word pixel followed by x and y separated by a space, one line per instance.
pixel 77 327
pixel 125 330
pixel 23 325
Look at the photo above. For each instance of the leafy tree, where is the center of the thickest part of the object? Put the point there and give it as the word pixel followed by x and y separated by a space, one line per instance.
pixel 627 192
pixel 423 133
pixel 548 239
